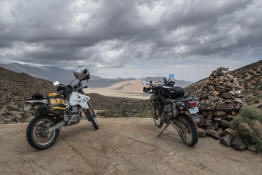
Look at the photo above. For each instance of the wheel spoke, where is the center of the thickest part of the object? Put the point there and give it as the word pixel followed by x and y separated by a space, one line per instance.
pixel 40 134
pixel 157 116
pixel 185 131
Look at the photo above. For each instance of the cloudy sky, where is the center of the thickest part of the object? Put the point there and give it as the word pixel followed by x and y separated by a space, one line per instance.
pixel 132 38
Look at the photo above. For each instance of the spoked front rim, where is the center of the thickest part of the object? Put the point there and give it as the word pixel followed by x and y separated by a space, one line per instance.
pixel 40 134
pixel 157 116
pixel 185 131
pixel 95 120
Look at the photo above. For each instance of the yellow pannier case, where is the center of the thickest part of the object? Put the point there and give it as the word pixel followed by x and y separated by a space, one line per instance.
pixel 56 103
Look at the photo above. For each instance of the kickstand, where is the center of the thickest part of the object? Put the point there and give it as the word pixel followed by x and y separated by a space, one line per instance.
pixel 163 129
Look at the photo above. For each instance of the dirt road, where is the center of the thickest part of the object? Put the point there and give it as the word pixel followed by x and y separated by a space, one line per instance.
pixel 121 146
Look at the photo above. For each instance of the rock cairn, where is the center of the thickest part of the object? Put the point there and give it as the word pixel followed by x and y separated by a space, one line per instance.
pixel 220 100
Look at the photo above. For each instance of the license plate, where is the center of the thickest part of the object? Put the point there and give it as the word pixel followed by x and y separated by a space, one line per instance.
pixel 27 107
pixel 193 110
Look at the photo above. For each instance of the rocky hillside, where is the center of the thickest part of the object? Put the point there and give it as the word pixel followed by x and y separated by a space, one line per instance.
pixel 14 88
pixel 250 80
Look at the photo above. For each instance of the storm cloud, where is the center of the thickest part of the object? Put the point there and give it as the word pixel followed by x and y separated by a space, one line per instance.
pixel 132 37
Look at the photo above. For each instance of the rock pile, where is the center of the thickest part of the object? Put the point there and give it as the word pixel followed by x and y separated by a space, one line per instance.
pixel 220 100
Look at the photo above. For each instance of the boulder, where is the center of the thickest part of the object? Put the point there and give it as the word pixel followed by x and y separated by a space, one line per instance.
pixel 229 117
pixel 217 119
pixel 209 115
pixel 227 95
pixel 201 132
pixel 225 124
pixel 219 113
pixel 252 148
pixel 213 98
pixel 238 144
pixel 213 133
pixel 221 107
pixel 231 132
pixel 213 127
pixel 238 100
pixel 244 129
pixel 209 122
pixel 226 140
pixel 257 128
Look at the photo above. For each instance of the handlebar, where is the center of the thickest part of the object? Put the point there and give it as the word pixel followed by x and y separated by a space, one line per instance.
pixel 150 89
pixel 77 87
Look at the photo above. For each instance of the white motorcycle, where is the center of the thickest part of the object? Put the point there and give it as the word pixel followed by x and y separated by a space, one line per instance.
pixel 62 108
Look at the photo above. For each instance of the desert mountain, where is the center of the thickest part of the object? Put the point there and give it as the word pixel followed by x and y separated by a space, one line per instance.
pixel 250 80
pixel 16 87
pixel 53 73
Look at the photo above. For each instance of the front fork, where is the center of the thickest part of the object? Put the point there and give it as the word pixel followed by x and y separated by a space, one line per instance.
pixel 89 112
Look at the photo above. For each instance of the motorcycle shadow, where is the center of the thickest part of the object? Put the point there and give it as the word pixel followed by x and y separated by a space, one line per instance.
pixel 75 131
pixel 170 138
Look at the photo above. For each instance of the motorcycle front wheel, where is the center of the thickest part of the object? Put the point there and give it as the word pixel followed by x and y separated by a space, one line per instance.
pixel 91 116
pixel 157 113
pixel 187 129
pixel 37 135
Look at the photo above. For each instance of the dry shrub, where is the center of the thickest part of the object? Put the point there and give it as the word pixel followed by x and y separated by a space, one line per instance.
pixel 249 115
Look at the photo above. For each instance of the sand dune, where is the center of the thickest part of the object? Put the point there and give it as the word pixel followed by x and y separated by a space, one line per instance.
pixel 128 89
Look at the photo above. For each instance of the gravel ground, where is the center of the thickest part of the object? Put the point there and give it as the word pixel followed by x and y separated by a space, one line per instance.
pixel 121 146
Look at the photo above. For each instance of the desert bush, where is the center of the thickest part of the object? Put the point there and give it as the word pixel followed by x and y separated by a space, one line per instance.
pixel 11 108
pixel 235 123
pixel 6 113
pixel 146 114
pixel 259 145
pixel 249 115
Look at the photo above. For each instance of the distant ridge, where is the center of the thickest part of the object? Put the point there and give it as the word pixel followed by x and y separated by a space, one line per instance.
pixel 53 73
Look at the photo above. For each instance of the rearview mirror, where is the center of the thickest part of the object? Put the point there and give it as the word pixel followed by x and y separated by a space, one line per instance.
pixel 56 83
pixel 171 76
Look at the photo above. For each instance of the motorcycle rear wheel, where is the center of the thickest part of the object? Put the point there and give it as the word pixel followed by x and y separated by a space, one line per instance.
pixel 36 133
pixel 187 130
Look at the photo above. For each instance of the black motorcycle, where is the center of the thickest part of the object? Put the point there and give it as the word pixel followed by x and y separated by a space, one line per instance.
pixel 171 106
